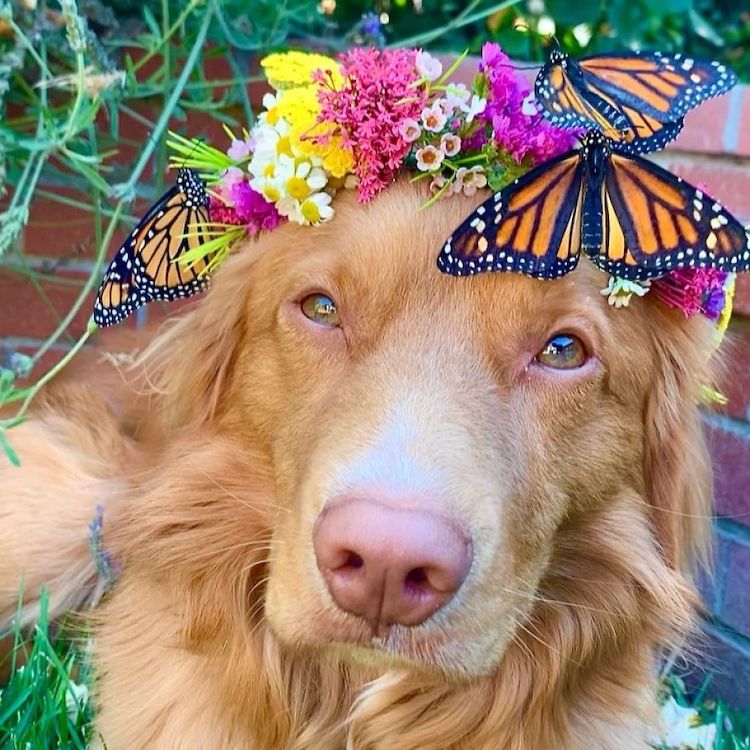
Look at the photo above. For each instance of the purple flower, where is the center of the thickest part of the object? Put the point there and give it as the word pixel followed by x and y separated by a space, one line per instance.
pixel 508 105
pixel 254 210
pixel 693 290
pixel 370 24
pixel 245 207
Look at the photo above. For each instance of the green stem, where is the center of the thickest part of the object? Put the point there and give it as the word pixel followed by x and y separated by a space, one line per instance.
pixel 464 18
pixel 70 127
pixel 126 189
pixel 168 35
pixel 20 414
pixel 87 287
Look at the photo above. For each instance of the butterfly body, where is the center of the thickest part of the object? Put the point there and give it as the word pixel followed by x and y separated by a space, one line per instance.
pixel 630 216
pixel 147 267
pixel 637 99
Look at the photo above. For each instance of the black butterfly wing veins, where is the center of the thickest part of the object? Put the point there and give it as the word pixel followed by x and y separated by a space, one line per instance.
pixel 119 294
pixel 174 225
pixel 566 100
pixel 654 222
pixel 532 226
pixel 662 86
pixel 637 99
pixel 148 266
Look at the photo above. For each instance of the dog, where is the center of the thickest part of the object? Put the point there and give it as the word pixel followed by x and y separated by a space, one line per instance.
pixel 356 503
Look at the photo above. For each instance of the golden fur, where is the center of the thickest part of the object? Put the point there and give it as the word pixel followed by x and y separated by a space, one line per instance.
pixel 587 494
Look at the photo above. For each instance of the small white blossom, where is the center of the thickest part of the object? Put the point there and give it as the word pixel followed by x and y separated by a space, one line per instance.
pixel 410 130
pixel 433 118
pixel 438 183
pixel 429 158
pixel 456 95
pixel 315 209
pixel 427 66
pixel 241 149
pixel 475 107
pixel 450 144
pixel 619 291
pixel 76 698
pixel 681 728
pixel 529 107
pixel 469 180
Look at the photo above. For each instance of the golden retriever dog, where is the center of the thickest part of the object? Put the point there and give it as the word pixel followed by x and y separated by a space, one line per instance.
pixel 356 503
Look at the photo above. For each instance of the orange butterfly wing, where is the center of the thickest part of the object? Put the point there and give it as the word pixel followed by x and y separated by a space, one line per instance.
pixel 531 226
pixel 655 222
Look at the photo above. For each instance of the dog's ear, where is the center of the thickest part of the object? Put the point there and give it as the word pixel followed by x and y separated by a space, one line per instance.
pixel 188 366
pixel 676 462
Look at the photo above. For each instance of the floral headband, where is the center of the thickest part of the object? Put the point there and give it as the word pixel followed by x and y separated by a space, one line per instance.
pixel 354 124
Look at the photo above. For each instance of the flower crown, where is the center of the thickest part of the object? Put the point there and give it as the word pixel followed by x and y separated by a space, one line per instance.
pixel 357 122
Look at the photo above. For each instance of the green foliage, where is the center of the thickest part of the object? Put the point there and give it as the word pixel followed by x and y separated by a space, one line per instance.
pixel 718 30
pixel 45 703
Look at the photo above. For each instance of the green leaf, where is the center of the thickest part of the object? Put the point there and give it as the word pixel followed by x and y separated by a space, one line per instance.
pixel 7 448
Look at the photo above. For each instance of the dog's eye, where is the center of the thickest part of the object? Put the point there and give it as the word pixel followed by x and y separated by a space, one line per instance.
pixel 321 309
pixel 562 352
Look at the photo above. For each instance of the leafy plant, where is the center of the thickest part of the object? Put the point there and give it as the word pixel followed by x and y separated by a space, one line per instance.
pixel 45 703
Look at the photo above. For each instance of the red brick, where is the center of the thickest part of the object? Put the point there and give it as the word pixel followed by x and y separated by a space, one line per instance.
pixel 735 384
pixel 23 311
pixel 704 128
pixel 735 607
pixel 59 230
pixel 743 141
pixel 731 456
pixel 724 180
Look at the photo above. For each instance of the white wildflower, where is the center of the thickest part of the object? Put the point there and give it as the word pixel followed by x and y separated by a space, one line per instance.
pixel 433 118
pixel 469 179
pixel 429 158
pixel 529 106
pixel 619 291
pixel 410 130
pixel 450 144
pixel 475 107
pixel 427 66
pixel 456 95
pixel 681 728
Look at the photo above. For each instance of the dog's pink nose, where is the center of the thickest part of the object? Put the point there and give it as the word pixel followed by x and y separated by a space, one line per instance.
pixel 387 565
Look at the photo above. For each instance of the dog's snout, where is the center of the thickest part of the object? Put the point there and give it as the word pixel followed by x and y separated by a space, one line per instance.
pixel 389 565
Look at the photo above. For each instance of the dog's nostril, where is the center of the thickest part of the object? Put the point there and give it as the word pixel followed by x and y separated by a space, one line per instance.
pixel 416 577
pixel 353 561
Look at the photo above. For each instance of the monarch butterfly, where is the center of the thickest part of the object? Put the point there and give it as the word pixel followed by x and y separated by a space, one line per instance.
pixel 147 266
pixel 636 98
pixel 633 218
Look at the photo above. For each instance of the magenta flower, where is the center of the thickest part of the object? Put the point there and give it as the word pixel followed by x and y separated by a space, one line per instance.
pixel 372 112
pixel 245 207
pixel 693 290
pixel 507 112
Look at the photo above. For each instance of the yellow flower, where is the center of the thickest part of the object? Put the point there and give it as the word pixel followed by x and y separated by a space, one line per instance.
pixel 300 108
pixel 288 70
pixel 337 160
pixel 726 314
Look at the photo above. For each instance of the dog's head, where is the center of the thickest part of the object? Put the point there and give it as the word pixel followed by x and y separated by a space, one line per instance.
pixel 460 468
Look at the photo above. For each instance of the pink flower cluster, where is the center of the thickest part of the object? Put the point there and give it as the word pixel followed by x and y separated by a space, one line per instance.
pixel 241 205
pixel 693 291
pixel 517 127
pixel 370 112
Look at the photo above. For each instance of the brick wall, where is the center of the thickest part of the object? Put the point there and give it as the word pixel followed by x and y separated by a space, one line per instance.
pixel 713 149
